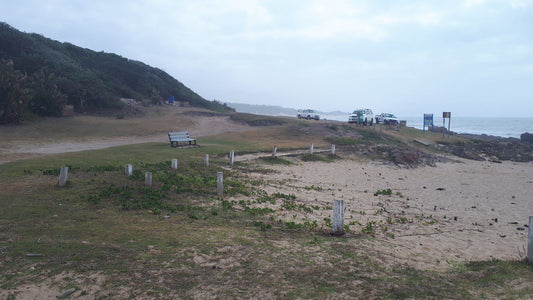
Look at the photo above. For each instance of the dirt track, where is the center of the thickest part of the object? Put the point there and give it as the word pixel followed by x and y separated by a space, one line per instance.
pixel 204 126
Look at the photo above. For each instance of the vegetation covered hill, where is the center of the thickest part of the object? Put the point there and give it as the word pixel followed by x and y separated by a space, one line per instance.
pixel 41 75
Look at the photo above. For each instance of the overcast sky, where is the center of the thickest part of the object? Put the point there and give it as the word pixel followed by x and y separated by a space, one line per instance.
pixel 470 57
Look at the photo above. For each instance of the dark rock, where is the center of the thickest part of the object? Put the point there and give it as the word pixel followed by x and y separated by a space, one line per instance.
pixel 464 153
pixel 526 137
pixel 409 158
pixel 66 293
pixel 34 255
pixel 495 149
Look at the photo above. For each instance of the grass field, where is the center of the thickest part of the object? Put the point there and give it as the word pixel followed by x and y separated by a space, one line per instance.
pixel 106 236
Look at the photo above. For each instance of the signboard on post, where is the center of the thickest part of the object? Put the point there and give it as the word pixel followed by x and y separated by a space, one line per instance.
pixel 446 115
pixel 428 121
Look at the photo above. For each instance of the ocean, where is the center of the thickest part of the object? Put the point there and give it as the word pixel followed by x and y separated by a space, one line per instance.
pixel 503 127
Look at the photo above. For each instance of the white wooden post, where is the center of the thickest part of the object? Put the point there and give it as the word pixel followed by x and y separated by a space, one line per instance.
pixel 206 160
pixel 174 163
pixel 63 174
pixel 128 170
pixel 148 179
pixel 311 149
pixel 530 241
pixel 333 149
pixel 232 157
pixel 220 184
pixel 338 217
pixel 274 151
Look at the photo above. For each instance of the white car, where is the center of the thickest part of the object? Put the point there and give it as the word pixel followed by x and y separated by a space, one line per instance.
pixel 366 116
pixel 386 118
pixel 308 114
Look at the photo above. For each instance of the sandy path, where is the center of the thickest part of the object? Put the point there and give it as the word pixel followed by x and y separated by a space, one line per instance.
pixel 452 212
pixel 204 126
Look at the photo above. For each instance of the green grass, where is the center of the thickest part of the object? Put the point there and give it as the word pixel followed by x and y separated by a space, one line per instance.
pixel 120 156
pixel 342 141
pixel 258 120
pixel 276 160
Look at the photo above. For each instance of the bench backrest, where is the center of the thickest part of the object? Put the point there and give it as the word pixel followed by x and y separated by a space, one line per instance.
pixel 183 134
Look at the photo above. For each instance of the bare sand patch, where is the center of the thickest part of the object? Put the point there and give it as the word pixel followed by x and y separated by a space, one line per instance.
pixel 56 287
pixel 438 215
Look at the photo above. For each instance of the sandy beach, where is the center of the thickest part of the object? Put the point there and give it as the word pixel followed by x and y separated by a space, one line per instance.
pixel 435 216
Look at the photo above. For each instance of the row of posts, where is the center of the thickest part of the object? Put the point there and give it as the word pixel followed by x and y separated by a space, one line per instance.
pixel 232 156
pixel 174 165
pixel 63 175
pixel 337 221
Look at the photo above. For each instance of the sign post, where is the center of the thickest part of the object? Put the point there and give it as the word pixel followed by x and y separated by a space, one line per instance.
pixel 446 115
pixel 428 121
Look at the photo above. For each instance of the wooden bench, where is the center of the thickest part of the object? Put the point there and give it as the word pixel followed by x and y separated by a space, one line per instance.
pixel 176 138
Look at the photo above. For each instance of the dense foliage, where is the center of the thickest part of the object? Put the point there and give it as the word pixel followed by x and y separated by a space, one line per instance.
pixel 44 74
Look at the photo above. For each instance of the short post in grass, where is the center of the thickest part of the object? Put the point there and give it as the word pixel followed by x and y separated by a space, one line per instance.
pixel 220 184
pixel 206 160
pixel 274 151
pixel 128 170
pixel 148 179
pixel 232 157
pixel 174 163
pixel 311 149
pixel 63 174
pixel 530 241
pixel 338 218
pixel 332 149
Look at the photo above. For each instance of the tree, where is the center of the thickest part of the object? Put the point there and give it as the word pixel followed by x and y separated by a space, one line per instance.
pixel 156 97
pixel 46 99
pixel 13 93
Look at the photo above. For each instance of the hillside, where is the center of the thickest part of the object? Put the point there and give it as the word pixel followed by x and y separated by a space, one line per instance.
pixel 50 74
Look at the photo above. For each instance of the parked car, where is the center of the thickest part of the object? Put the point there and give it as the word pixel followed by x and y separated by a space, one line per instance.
pixel 386 118
pixel 366 116
pixel 308 114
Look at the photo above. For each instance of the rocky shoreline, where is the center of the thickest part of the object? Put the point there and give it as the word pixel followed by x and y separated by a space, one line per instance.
pixel 478 148
pixel 495 149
